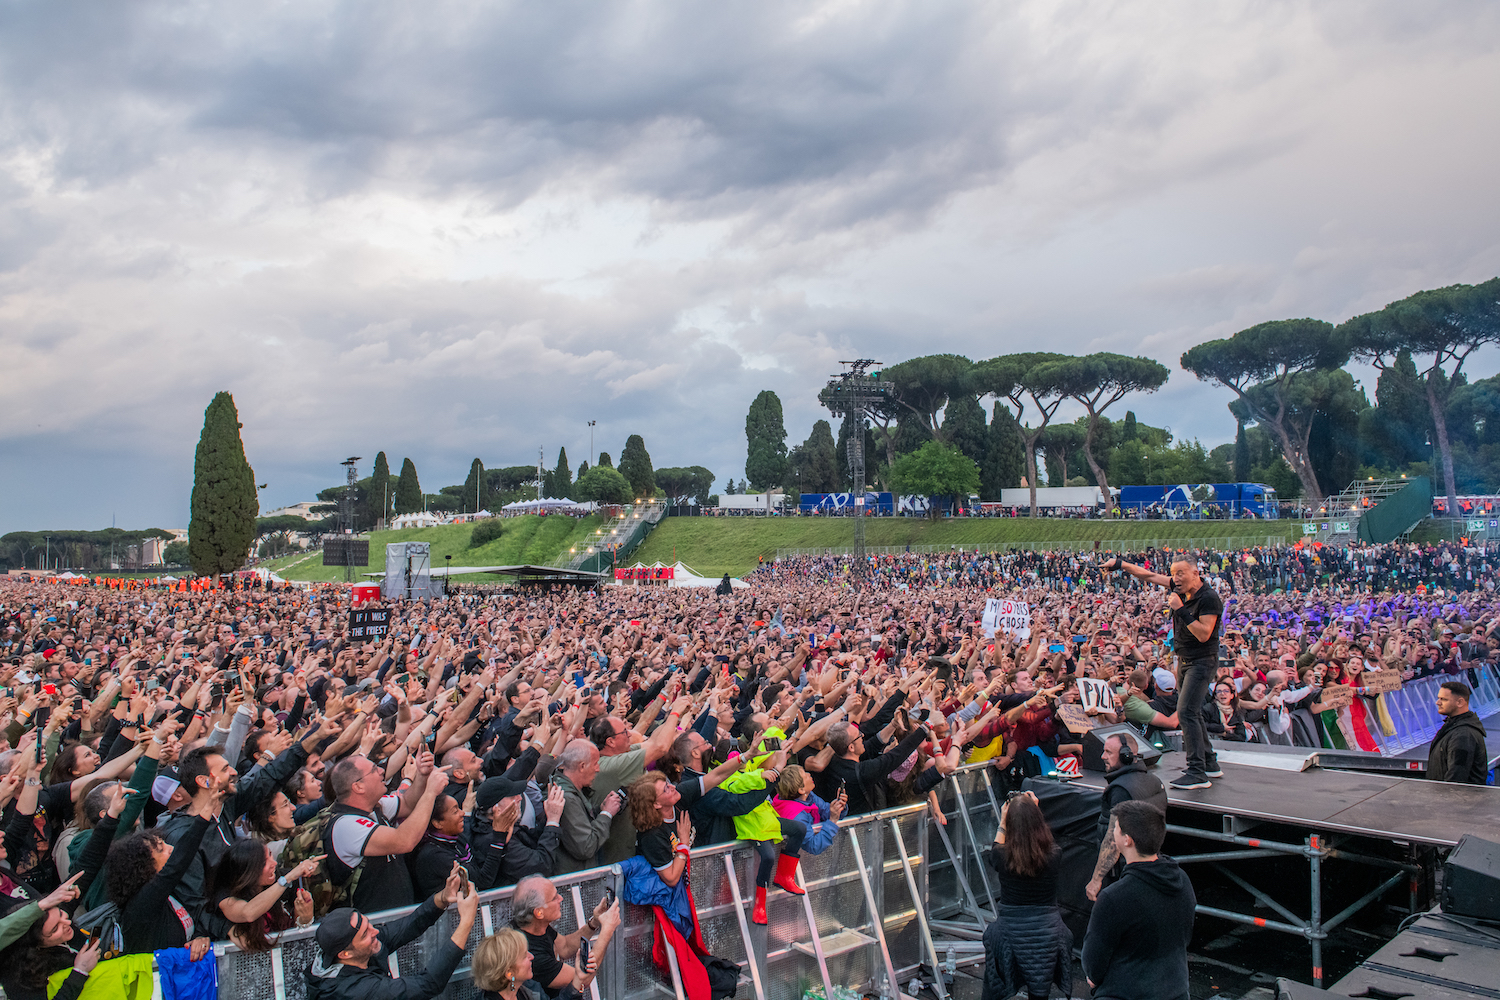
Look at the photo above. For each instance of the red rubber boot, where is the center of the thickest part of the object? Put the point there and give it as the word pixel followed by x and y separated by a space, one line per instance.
pixel 786 874
pixel 759 914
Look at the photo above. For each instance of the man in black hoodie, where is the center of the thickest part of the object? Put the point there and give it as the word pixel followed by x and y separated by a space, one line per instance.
pixel 1136 944
pixel 1458 750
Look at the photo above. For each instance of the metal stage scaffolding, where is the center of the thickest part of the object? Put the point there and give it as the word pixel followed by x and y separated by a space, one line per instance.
pixel 1332 809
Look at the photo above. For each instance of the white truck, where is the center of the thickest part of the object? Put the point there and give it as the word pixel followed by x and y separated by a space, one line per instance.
pixel 751 503
pixel 1054 496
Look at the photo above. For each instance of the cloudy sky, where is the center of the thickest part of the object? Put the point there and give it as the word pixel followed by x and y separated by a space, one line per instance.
pixel 457 229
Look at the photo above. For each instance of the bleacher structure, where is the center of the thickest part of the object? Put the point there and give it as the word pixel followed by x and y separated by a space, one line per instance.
pixel 1373 510
pixel 616 539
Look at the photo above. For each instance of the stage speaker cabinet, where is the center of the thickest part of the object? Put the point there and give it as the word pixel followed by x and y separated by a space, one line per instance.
pixel 1471 879
pixel 1093 746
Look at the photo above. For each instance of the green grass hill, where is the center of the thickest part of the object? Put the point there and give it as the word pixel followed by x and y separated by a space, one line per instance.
pixel 528 539
pixel 714 545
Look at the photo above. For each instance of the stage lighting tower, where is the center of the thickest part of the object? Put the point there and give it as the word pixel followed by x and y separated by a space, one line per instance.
pixel 852 395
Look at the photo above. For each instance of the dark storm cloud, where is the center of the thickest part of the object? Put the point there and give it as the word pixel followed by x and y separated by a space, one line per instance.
pixel 453 229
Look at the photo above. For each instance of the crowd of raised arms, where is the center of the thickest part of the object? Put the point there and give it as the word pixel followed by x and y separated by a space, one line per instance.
pixel 232 764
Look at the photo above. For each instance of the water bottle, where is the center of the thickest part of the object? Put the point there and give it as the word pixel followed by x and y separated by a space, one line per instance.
pixel 950 966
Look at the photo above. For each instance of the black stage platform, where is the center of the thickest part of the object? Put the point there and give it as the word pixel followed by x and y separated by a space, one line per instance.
pixel 1366 805
pixel 1327 809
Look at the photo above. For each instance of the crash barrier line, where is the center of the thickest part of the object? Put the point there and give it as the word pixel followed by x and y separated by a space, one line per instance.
pixel 876 940
pixel 831 935
pixel 1412 713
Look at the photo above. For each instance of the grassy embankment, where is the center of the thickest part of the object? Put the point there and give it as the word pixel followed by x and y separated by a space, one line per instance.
pixel 714 545
pixel 529 539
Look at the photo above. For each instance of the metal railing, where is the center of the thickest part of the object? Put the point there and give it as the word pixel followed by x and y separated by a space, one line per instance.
pixel 866 918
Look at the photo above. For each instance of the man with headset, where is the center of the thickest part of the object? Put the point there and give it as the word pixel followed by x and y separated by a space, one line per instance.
pixel 1128 781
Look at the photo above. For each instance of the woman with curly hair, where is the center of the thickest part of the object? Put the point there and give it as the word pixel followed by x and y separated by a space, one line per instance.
pixel 244 887
pixel 143 871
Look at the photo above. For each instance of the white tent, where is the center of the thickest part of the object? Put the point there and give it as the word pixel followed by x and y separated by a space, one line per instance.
pixel 547 504
pixel 416 519
pixel 685 576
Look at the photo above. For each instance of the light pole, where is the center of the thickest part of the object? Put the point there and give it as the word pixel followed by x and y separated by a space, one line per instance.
pixel 591 442
pixel 48 563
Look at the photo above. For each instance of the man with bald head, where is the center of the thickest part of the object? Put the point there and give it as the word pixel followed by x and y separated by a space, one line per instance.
pixel 1196 612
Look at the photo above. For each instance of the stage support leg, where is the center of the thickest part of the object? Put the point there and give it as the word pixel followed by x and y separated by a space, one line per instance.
pixel 755 956
pixel 963 810
pixel 877 918
pixel 916 901
pixel 958 869
pixel 1315 933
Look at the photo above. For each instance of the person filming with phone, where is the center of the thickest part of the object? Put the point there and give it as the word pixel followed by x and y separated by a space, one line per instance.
pixel 353 961
pixel 1196 611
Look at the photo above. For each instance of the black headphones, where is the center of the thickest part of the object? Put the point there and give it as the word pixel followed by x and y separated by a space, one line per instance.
pixel 1127 755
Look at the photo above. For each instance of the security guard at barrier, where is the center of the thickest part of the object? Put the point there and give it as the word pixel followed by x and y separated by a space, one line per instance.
pixel 1128 780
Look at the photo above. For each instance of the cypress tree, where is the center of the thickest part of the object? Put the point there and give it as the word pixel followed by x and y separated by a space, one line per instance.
pixel 1005 461
pixel 474 488
pixel 963 427
pixel 406 498
pixel 605 460
pixel 379 500
pixel 1241 454
pixel 1129 431
pixel 224 502
pixel 562 477
pixel 635 466
pixel 765 438
pixel 820 465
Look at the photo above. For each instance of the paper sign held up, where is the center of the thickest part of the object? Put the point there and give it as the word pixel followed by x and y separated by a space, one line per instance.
pixel 1381 681
pixel 1074 717
pixel 1095 694
pixel 1337 696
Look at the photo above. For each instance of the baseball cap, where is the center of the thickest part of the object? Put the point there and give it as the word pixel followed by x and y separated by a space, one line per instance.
pixel 1164 679
pixel 336 932
pixel 164 784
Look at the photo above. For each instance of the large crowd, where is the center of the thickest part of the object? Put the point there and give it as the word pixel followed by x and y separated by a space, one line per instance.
pixel 185 768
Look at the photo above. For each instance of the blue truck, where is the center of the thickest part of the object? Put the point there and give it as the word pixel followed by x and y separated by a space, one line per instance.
pixel 1201 499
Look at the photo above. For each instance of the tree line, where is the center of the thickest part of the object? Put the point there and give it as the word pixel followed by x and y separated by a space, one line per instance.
pixel 379 497
pixel 1304 426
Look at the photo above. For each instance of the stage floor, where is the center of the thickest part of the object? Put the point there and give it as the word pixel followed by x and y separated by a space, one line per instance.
pixel 1328 801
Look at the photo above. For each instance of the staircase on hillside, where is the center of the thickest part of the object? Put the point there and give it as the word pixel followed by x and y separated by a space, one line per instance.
pixel 616 539
pixel 1376 510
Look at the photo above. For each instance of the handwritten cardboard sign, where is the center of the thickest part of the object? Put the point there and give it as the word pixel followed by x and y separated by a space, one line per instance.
pixel 1095 694
pixel 1074 717
pixel 1337 696
pixel 1380 681
pixel 1005 613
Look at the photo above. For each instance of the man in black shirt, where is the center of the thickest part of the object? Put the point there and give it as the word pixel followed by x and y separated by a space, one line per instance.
pixel 1196 612
pixel 536 906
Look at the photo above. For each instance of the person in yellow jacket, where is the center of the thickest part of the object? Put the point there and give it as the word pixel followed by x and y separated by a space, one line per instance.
pixel 761 826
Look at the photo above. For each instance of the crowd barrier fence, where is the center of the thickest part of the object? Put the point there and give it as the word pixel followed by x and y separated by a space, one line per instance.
pixel 1411 707
pixel 872 898
pixel 878 899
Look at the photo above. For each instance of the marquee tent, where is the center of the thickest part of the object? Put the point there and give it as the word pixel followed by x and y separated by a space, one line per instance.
pixel 684 576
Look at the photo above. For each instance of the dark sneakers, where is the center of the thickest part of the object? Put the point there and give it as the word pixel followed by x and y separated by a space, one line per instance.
pixel 1190 780
pixel 1213 770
